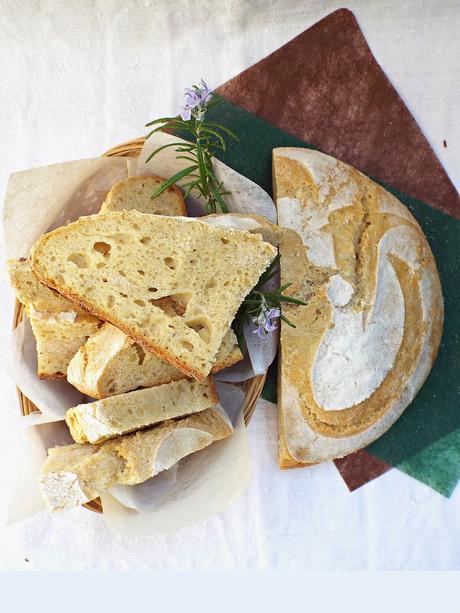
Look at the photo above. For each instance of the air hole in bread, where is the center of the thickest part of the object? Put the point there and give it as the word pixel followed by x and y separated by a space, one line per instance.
pixel 120 237
pixel 176 304
pixel 103 248
pixel 227 283
pixel 53 258
pixel 79 259
pixel 122 273
pixel 122 294
pixel 110 302
pixel 211 283
pixel 141 272
pixel 140 303
pixel 170 263
pixel 153 289
pixel 186 345
pixel 101 265
pixel 145 240
pixel 225 240
pixel 140 354
pixel 202 326
pixel 136 227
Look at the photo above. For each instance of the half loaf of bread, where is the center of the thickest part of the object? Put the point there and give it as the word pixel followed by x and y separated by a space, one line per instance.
pixel 75 474
pixel 98 421
pixel 365 342
pixel 111 363
pixel 136 193
pixel 171 283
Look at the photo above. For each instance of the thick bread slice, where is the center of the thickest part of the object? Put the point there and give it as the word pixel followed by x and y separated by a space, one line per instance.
pixel 366 341
pixel 75 474
pixel 111 363
pixel 60 327
pixel 98 421
pixel 39 300
pixel 136 193
pixel 173 284
pixel 58 340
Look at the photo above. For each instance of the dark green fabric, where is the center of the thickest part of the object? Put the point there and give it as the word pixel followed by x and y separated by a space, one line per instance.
pixel 269 391
pixel 435 412
pixel 438 465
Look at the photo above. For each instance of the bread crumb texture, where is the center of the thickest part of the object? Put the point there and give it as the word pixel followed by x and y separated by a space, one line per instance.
pixel 136 193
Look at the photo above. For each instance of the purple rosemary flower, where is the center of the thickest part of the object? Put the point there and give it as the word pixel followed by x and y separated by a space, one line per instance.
pixel 265 323
pixel 195 101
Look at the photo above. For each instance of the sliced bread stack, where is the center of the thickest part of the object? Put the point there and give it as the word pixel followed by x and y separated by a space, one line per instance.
pixel 75 474
pixel 161 292
pixel 61 327
pixel 172 420
pixel 170 283
pixel 111 363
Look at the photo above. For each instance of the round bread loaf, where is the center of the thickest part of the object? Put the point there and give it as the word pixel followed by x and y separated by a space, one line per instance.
pixel 367 339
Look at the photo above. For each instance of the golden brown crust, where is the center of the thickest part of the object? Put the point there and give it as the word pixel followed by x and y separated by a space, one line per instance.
pixel 353 240
pixel 54 375
pixel 232 359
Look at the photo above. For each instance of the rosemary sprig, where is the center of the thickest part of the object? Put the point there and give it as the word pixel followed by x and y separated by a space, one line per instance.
pixel 262 307
pixel 207 137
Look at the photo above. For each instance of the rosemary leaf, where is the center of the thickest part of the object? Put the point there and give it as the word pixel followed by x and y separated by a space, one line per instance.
pixel 179 175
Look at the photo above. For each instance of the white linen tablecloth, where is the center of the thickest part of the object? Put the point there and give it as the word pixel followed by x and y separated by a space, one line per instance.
pixel 78 77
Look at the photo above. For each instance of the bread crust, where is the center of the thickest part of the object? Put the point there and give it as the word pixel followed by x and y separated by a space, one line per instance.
pixel 370 331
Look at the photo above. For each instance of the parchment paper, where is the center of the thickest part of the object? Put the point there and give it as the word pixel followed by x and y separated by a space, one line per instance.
pixel 41 199
pixel 245 197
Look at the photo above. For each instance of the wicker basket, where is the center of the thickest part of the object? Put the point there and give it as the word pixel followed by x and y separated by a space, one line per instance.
pixel 252 387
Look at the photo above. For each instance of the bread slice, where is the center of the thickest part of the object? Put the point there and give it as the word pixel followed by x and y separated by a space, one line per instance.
pixel 111 363
pixel 171 283
pixel 367 337
pixel 58 340
pixel 98 421
pixel 75 474
pixel 60 327
pixel 39 300
pixel 136 193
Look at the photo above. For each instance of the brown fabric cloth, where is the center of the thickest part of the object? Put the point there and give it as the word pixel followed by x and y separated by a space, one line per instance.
pixel 359 468
pixel 326 87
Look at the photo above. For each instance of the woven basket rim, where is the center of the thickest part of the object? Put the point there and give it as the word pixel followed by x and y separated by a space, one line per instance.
pixel 252 387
